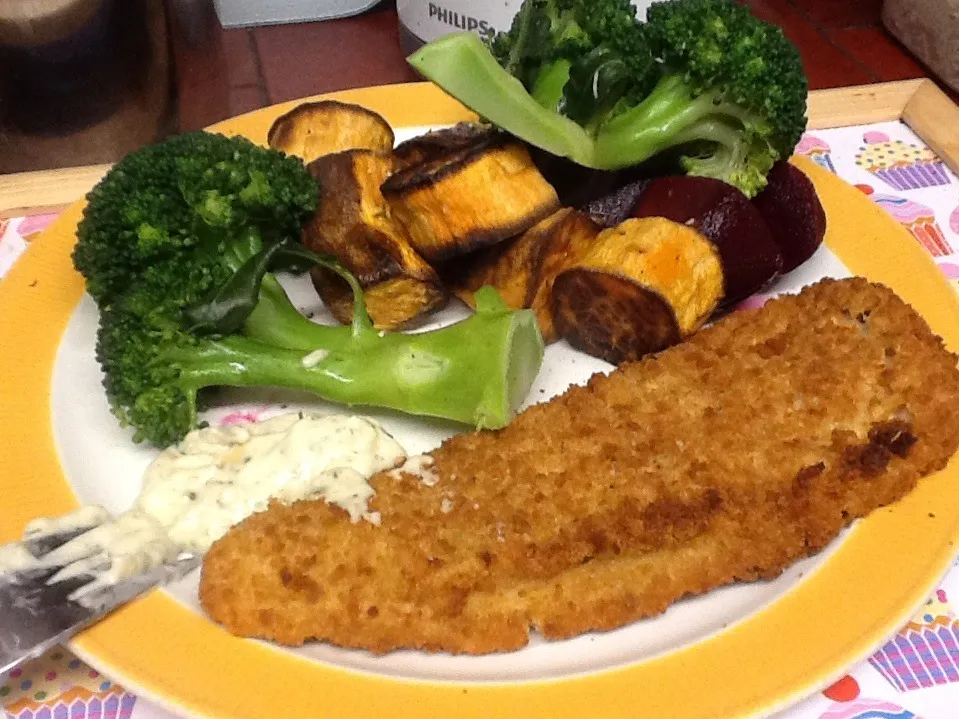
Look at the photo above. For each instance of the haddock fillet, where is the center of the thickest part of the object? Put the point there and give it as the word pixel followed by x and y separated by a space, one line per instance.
pixel 725 458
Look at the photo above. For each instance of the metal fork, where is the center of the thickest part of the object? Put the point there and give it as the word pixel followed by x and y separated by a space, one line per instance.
pixel 39 609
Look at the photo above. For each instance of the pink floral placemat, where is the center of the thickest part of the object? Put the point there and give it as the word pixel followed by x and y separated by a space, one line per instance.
pixel 915 675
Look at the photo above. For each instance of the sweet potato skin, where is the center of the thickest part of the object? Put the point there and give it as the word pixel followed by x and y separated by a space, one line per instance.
pixel 607 316
pixel 523 269
pixel 313 129
pixel 353 222
pixel 638 288
pixel 437 144
pixel 469 199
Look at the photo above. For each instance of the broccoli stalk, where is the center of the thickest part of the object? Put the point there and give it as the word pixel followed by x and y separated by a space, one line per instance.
pixel 462 65
pixel 729 139
pixel 178 246
pixel 476 371
pixel 701 77
pixel 276 321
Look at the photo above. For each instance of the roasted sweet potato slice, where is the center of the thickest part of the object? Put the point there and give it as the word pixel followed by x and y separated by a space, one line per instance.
pixel 441 143
pixel 354 223
pixel 314 129
pixel 751 259
pixel 469 199
pixel 524 269
pixel 639 287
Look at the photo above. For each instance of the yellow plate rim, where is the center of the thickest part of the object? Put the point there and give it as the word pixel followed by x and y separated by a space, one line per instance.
pixel 166 653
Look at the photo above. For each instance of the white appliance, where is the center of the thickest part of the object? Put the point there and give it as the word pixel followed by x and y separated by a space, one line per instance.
pixel 427 20
pixel 240 13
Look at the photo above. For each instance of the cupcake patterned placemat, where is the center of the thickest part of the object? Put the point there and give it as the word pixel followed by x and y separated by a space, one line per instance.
pixel 889 163
pixel 915 675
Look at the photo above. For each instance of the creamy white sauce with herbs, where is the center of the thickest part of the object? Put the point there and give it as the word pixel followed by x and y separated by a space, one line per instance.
pixel 220 475
pixel 216 477
pixel 117 549
pixel 14 557
pixel 419 465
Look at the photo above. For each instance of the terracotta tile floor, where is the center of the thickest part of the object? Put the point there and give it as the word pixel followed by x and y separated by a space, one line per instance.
pixel 226 72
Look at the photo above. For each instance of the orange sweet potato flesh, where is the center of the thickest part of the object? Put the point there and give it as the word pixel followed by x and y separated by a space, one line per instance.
pixel 469 199
pixel 725 216
pixel 524 269
pixel 314 129
pixel 638 288
pixel 353 223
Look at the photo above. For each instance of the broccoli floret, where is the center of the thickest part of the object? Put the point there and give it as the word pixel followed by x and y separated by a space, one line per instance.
pixel 178 244
pixel 733 89
pixel 193 189
pixel 556 48
pixel 703 78
pixel 156 371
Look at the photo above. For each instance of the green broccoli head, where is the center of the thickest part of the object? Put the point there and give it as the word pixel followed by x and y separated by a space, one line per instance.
pixel 193 189
pixel 578 57
pixel 731 100
pixel 700 80
pixel 542 32
pixel 746 67
pixel 138 332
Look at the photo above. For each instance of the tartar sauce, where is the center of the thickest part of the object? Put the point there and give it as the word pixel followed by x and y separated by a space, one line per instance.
pixel 220 475
pixel 419 465
pixel 14 557
pixel 216 477
pixel 132 543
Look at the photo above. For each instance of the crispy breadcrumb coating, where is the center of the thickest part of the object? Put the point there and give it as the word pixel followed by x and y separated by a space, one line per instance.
pixel 723 459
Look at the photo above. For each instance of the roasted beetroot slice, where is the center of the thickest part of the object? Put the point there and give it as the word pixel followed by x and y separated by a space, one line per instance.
pixel 749 255
pixel 792 211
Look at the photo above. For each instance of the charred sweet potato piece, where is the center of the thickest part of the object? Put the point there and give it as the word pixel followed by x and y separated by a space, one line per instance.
pixel 314 129
pixel 469 199
pixel 639 287
pixel 791 208
pixel 617 205
pixel 750 257
pixel 354 223
pixel 437 144
pixel 523 270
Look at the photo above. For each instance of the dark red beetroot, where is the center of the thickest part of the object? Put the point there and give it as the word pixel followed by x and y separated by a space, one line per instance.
pixel 792 210
pixel 750 257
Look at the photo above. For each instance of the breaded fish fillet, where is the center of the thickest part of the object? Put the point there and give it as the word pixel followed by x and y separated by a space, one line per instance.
pixel 724 458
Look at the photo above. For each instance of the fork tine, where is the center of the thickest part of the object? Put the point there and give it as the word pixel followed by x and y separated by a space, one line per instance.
pixel 46 543
pixel 66 573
